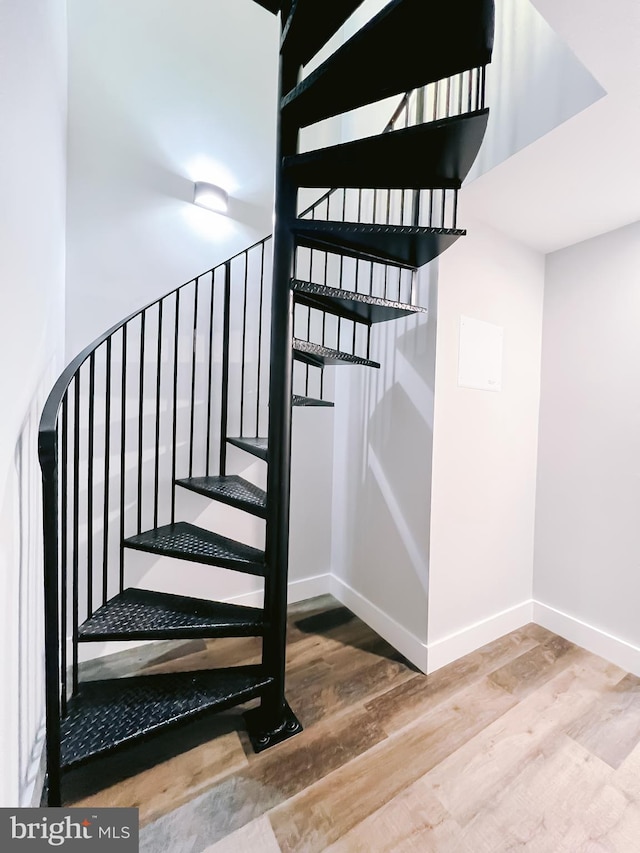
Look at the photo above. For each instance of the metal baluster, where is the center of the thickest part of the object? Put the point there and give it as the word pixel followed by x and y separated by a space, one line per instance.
pixel 210 377
pixel 260 339
pixel 107 460
pixel 455 208
pixel 90 448
pixel 143 331
pixel 63 550
pixel 156 473
pixel 123 448
pixel 75 597
pixel 174 436
pixel 244 341
pixel 226 334
pixel 196 294
pixel 460 92
pixel 470 103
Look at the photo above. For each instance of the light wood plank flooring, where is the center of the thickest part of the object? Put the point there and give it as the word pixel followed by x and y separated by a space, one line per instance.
pixel 530 743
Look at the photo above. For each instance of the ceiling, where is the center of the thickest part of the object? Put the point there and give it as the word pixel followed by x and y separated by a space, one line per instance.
pixel 582 178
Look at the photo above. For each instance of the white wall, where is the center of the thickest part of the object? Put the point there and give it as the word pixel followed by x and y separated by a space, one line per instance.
pixel 162 94
pixel 484 447
pixel 33 96
pixel 587 577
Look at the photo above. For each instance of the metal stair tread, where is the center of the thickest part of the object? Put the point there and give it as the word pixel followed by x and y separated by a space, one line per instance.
pixel 435 154
pixel 399 245
pixel 347 303
pixel 105 715
pixel 300 400
pixel 142 614
pixel 394 52
pixel 256 446
pixel 320 356
pixel 187 542
pixel 305 32
pixel 232 490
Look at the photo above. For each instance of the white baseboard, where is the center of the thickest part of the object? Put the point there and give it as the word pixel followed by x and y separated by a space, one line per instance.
pixel 456 645
pixel 404 641
pixel 592 639
pixel 297 591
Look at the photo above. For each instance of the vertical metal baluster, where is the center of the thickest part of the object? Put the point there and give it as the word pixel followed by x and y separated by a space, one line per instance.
pixel 260 338
pixel 107 461
pixel 63 551
pixel 225 369
pixel 369 341
pixel 435 99
pixel 470 102
pixel 341 273
pixel 174 435
pixel 209 379
pixel 460 88
pixel 244 340
pixel 143 329
pixel 448 109
pixel 455 208
pixel 444 203
pixel 76 523
pixel 430 208
pixel 90 448
pixel 484 86
pixel 478 85
pixel 358 219
pixel 123 449
pixel 156 473
pixel 324 321
pixel 196 294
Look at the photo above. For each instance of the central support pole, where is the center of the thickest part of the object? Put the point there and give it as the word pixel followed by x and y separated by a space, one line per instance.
pixel 274 721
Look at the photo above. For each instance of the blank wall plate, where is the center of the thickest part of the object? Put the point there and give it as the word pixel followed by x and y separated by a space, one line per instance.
pixel 480 355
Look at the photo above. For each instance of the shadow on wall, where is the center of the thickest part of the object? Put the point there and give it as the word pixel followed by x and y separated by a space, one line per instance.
pixel 384 515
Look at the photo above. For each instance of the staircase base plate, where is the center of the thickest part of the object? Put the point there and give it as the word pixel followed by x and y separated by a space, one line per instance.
pixel 262 738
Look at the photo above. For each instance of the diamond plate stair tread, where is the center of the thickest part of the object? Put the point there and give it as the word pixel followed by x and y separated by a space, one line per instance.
pixel 188 542
pixel 299 400
pixel 347 303
pixel 398 245
pixel 306 31
pixel 231 490
pixel 141 614
pixel 317 355
pixel 105 715
pixel 433 155
pixel 403 47
pixel 257 446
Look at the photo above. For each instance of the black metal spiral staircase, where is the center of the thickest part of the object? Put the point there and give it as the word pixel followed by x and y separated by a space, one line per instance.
pixel 153 406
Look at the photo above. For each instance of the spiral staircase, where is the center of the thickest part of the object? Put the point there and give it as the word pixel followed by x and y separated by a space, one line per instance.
pixel 172 397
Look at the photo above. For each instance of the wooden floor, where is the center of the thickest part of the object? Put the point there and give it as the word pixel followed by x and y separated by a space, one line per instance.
pixel 530 743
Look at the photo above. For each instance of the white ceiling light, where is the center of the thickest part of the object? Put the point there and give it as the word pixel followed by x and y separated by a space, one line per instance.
pixel 211 197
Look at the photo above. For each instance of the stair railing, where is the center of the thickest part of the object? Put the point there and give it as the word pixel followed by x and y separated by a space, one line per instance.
pixel 149 401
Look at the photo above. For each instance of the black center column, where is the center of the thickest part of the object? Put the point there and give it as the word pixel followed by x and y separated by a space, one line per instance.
pixel 274 721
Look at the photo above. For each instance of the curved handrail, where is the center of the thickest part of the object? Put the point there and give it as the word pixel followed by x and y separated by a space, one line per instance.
pixel 51 409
